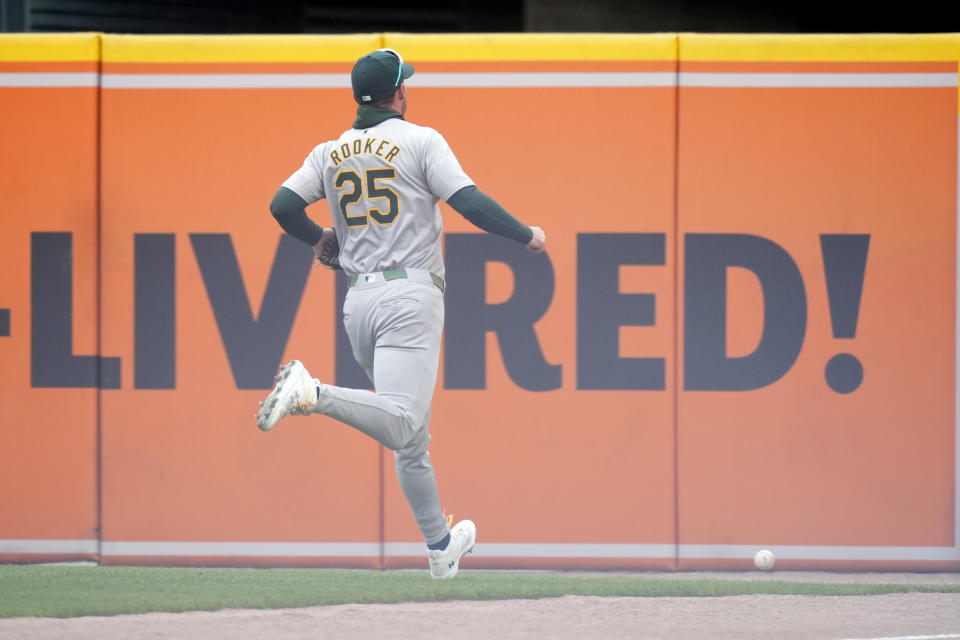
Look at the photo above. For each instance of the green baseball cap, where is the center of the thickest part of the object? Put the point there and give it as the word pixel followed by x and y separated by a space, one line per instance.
pixel 377 75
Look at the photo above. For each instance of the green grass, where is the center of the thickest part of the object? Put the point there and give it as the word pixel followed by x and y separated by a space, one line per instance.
pixel 65 591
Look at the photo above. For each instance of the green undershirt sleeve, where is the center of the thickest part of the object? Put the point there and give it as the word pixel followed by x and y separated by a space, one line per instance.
pixel 289 210
pixel 484 212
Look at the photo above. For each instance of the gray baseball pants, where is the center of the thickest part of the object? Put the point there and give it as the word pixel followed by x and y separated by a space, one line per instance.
pixel 394 329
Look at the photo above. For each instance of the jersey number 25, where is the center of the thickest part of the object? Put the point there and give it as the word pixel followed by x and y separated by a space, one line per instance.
pixel 353 188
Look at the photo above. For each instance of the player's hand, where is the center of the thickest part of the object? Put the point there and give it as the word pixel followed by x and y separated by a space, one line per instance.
pixel 328 235
pixel 539 241
pixel 327 251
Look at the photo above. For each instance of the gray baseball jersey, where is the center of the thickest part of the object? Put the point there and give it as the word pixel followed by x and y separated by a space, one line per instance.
pixel 382 185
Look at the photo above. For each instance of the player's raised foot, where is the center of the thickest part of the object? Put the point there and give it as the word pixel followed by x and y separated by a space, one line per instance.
pixel 444 563
pixel 295 394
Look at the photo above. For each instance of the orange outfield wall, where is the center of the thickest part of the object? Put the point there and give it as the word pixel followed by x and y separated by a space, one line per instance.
pixel 725 215
pixel 847 451
pixel 48 323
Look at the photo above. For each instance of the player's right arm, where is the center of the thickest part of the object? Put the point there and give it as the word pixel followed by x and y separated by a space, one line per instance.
pixel 445 176
pixel 487 214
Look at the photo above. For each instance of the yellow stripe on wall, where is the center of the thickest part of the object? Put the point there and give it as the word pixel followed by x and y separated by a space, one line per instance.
pixel 819 48
pixel 242 48
pixel 482 47
pixel 936 47
pixel 49 47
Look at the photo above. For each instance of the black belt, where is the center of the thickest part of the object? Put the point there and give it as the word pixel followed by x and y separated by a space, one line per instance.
pixel 396 274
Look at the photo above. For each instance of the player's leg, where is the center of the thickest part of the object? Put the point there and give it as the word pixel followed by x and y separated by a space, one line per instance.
pixel 419 483
pixel 397 327
pixel 295 392
pixel 445 546
pixel 406 320
pixel 397 330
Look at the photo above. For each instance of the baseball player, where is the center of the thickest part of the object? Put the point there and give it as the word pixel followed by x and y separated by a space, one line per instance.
pixel 382 179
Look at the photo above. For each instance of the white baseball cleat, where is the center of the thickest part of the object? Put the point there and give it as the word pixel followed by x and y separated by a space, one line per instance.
pixel 295 394
pixel 445 563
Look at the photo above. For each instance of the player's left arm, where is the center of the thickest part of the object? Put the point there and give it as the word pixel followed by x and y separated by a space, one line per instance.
pixel 290 212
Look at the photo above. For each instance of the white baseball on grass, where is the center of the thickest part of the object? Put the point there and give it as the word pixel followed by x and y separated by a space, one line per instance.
pixel 764 559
